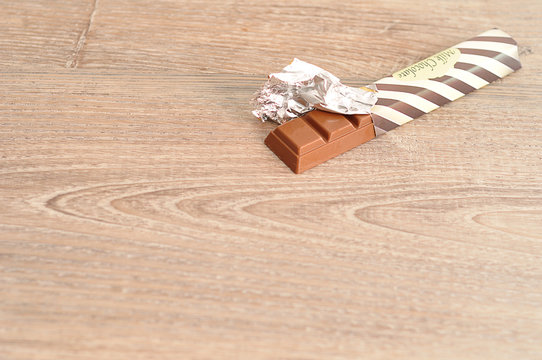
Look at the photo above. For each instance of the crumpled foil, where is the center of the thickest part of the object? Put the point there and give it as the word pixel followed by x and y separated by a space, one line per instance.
pixel 301 87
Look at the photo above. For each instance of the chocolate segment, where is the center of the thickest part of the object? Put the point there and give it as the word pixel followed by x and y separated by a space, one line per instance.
pixel 331 126
pixel 318 136
pixel 299 137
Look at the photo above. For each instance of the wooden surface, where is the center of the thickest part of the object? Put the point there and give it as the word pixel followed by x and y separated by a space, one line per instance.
pixel 142 217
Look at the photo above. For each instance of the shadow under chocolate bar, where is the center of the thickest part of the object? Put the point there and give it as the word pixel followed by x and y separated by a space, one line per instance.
pixel 318 136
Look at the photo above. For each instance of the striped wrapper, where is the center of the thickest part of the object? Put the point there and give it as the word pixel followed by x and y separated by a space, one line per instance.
pixel 483 59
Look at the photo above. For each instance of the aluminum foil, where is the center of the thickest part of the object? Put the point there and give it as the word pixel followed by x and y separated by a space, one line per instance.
pixel 301 87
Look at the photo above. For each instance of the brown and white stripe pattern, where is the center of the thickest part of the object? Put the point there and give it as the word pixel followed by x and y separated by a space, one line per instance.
pixel 484 58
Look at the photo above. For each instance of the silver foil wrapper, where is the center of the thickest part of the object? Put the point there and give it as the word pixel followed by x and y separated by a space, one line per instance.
pixel 301 87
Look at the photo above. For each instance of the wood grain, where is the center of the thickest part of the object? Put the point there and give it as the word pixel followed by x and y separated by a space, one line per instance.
pixel 142 217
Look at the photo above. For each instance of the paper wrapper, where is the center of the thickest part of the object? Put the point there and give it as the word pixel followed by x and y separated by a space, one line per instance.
pixel 443 77
pixel 402 97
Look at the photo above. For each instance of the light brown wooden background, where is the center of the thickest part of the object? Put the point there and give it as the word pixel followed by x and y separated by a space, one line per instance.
pixel 142 217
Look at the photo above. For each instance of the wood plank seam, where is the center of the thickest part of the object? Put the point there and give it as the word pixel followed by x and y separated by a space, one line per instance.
pixel 74 60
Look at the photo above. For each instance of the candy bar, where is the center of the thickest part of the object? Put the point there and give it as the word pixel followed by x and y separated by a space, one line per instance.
pixel 318 136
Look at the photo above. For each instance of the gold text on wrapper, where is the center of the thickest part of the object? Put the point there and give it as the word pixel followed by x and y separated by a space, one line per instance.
pixel 432 67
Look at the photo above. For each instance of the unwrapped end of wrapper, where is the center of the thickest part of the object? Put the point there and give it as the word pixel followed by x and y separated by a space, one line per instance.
pixel 301 87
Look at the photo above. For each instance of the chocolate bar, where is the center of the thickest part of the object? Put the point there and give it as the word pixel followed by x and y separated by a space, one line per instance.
pixel 318 136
